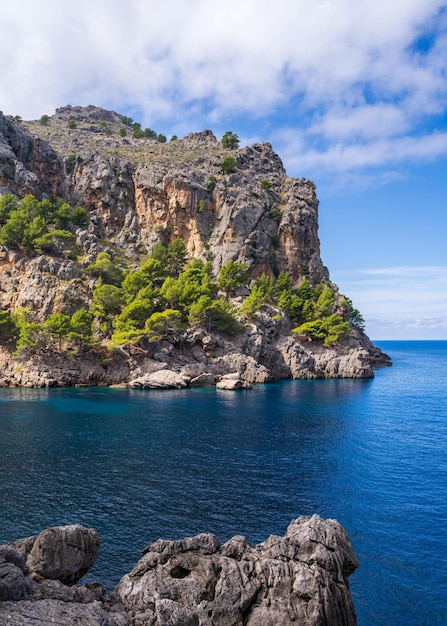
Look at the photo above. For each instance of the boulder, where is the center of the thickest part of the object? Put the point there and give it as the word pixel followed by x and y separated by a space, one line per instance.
pixel 300 578
pixel 202 379
pixel 232 381
pixel 161 379
pixel 13 584
pixel 62 553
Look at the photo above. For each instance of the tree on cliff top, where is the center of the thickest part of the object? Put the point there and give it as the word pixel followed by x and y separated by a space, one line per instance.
pixel 230 140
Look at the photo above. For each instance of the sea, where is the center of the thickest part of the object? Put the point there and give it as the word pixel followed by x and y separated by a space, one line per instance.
pixel 141 465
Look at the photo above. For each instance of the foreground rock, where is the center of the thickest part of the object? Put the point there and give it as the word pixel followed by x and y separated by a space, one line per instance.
pixel 301 578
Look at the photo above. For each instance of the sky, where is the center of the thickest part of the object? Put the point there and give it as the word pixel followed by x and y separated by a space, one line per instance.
pixel 352 94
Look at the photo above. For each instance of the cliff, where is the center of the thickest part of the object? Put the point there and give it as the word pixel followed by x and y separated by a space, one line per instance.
pixel 301 578
pixel 137 193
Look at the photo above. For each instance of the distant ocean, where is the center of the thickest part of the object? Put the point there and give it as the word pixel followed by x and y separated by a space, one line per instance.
pixel 139 465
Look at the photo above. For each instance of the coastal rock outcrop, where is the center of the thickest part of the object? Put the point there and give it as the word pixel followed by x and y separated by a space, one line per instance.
pixel 300 578
pixel 63 553
pixel 137 193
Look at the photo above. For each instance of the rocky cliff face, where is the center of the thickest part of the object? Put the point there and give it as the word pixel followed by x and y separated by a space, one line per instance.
pixel 301 578
pixel 138 192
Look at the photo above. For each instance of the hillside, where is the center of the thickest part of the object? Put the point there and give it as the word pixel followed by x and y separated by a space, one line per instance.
pixel 215 241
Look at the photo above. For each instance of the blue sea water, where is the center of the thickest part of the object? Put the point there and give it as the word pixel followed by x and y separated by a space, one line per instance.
pixel 139 465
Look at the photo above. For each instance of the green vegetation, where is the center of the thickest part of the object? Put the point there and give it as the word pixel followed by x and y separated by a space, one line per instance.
pixel 34 226
pixel 228 165
pixel 59 331
pixel 71 124
pixel 232 275
pixel 161 297
pixel 265 184
pixel 317 311
pixel 70 163
pixel 212 182
pixel 44 120
pixel 230 140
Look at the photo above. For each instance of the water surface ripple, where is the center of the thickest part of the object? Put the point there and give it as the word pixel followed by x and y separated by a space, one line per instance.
pixel 139 465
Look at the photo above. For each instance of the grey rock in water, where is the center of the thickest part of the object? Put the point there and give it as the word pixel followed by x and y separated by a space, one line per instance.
pixel 161 379
pixel 231 382
pixel 301 578
pixel 63 553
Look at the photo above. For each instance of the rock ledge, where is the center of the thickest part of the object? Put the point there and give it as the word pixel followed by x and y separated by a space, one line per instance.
pixel 301 578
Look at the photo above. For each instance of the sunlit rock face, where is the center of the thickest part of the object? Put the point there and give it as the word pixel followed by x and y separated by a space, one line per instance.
pixel 139 192
pixel 300 578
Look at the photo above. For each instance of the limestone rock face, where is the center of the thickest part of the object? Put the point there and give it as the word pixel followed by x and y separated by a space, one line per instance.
pixel 161 379
pixel 138 192
pixel 299 578
pixel 62 553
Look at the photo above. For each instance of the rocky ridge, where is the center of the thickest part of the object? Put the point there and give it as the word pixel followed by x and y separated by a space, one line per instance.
pixel 300 578
pixel 138 192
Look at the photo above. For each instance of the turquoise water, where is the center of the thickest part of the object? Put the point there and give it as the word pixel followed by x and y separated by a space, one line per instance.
pixel 139 465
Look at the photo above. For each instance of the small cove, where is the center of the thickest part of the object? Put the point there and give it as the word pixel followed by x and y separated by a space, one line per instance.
pixel 139 465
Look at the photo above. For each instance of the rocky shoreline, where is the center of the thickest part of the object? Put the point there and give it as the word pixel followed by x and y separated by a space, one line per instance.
pixel 300 578
pixel 260 354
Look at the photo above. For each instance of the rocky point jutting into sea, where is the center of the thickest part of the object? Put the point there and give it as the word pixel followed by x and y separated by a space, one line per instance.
pixel 137 192
pixel 301 578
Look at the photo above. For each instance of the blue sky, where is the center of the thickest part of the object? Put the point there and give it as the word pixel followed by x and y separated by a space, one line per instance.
pixel 352 94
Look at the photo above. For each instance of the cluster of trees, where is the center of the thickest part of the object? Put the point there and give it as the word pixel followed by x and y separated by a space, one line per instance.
pixel 138 132
pixel 59 331
pixel 38 227
pixel 166 294
pixel 316 312
pixel 163 296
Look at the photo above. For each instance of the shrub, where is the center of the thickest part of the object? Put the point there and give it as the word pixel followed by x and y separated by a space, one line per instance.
pixel 228 165
pixel 231 276
pixel 212 182
pixel 70 163
pixel 150 134
pixel 265 184
pixel 71 124
pixel 328 329
pixel 44 119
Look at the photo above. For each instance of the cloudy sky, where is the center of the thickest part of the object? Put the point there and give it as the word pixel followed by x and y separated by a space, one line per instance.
pixel 351 93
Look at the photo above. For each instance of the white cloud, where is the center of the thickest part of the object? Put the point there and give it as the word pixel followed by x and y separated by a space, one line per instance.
pixel 344 74
pixel 399 302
